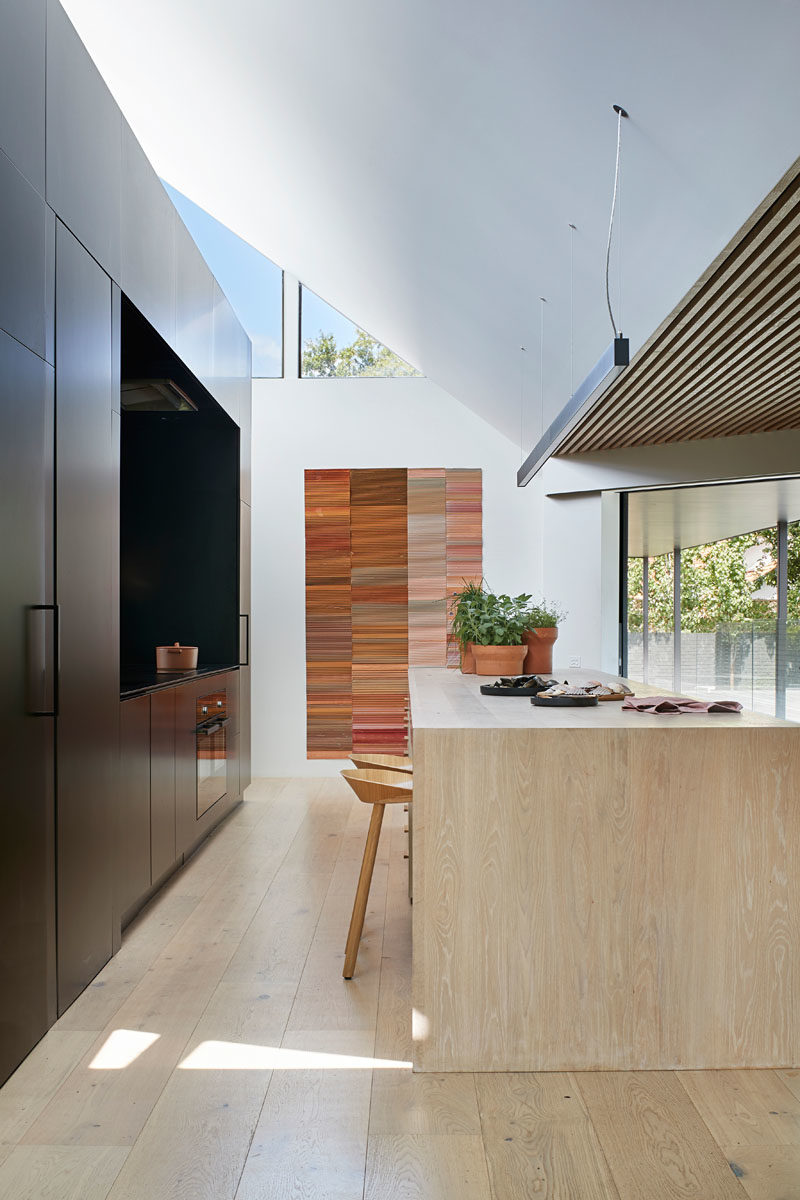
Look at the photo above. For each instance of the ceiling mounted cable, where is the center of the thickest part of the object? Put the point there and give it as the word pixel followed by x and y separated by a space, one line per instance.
pixel 620 111
pixel 592 389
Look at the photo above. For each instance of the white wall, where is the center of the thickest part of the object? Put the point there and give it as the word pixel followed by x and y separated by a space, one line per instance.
pixel 329 423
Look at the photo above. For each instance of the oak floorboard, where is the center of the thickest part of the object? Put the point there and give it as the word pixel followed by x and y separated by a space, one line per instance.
pixel 418 1166
pixel 767 1172
pixel 110 1107
pixel 539 1139
pixel 324 999
pixel 29 1090
pixel 311 1139
pixel 60 1172
pixel 96 1005
pixel 197 1137
pixel 403 1102
pixel 653 1139
pixel 745 1108
pixel 791 1078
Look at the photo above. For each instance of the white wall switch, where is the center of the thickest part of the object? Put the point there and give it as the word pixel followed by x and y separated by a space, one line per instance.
pixel 575 661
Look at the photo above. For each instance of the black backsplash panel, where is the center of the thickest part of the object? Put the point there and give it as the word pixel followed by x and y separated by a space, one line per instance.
pixel 179 527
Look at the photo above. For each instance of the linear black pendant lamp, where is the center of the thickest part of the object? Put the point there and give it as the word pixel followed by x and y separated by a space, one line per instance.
pixel 610 364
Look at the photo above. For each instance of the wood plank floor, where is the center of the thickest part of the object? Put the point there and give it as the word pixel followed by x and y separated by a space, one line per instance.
pixel 221 1056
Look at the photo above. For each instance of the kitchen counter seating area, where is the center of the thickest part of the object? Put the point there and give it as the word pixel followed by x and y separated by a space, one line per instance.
pixel 596 888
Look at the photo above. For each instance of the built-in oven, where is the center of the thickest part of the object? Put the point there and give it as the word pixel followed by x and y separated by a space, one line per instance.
pixel 212 750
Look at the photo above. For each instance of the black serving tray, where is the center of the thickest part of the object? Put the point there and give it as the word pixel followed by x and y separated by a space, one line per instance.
pixel 565 701
pixel 491 689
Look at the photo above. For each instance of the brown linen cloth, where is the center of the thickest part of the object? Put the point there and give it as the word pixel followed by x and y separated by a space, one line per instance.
pixel 678 704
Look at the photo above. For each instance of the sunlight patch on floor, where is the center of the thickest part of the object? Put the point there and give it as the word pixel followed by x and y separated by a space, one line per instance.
pixel 121 1048
pixel 237 1056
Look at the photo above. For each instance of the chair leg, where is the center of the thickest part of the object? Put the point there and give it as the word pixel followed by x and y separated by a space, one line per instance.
pixel 362 891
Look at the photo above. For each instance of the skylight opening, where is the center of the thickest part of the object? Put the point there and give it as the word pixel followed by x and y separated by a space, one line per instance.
pixel 252 283
pixel 334 347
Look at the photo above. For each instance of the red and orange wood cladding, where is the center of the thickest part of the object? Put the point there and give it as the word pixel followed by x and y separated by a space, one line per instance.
pixel 383 550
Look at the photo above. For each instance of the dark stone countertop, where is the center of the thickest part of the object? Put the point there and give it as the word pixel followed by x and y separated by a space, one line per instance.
pixel 139 681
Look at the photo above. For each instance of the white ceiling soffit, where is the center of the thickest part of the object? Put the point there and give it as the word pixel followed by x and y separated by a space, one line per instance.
pixel 419 164
pixel 658 521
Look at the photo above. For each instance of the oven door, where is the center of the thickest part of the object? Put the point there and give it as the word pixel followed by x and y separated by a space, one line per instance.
pixel 212 763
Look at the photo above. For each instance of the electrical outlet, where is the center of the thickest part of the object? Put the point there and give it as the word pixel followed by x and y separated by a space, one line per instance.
pixel 575 661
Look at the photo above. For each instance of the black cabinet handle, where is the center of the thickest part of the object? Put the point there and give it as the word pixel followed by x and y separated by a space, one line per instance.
pixel 244 617
pixel 42 653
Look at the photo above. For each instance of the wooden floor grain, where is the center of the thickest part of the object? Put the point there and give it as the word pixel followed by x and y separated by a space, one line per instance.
pixel 274 1079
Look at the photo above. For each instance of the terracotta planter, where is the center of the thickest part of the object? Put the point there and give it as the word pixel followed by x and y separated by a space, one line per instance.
pixel 539 645
pixel 498 660
pixel 467 660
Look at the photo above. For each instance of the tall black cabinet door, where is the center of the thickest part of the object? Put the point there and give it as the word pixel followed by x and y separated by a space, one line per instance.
pixel 27 944
pixel 87 569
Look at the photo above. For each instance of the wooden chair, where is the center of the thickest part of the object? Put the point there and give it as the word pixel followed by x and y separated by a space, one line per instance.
pixel 382 762
pixel 377 788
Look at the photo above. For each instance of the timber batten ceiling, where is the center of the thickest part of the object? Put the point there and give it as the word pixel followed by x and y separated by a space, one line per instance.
pixel 726 361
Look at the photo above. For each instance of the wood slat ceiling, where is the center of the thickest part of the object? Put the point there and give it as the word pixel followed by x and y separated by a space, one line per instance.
pixel 727 360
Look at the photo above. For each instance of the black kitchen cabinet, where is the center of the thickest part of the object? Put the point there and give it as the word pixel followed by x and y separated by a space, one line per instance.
pixel 191 829
pixel 87 517
pixel 162 782
pixel 132 876
pixel 27 902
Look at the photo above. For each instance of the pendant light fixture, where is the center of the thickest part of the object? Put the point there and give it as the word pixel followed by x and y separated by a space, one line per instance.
pixel 603 373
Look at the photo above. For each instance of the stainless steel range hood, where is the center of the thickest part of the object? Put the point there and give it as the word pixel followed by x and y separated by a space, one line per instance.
pixel 154 395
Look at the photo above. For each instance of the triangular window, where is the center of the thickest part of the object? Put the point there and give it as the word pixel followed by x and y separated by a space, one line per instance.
pixel 252 283
pixel 332 347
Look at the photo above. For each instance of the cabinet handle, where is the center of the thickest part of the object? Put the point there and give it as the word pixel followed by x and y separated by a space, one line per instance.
pixel 213 728
pixel 43 659
pixel 244 617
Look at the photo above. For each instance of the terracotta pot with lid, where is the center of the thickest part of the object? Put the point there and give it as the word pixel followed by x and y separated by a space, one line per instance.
pixel 176 657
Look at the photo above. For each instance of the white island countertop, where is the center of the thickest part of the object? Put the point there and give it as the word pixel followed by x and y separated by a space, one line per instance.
pixel 446 699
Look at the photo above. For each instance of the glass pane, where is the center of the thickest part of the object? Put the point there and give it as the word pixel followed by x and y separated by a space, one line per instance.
pixel 728 620
pixel 661 622
pixel 635 605
pixel 252 283
pixel 332 347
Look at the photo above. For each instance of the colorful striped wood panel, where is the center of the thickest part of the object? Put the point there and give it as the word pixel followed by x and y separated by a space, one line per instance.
pixel 427 568
pixel 383 549
pixel 379 600
pixel 329 638
pixel 464 536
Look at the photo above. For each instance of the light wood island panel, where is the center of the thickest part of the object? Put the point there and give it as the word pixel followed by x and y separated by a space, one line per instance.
pixel 595 889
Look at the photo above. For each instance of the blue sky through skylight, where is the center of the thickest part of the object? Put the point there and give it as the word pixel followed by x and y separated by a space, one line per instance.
pixel 250 280
pixel 321 317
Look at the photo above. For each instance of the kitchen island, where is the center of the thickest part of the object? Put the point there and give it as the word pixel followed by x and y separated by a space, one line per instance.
pixel 597 888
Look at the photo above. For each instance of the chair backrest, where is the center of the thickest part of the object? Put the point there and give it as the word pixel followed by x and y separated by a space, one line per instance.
pixel 380 787
pixel 382 762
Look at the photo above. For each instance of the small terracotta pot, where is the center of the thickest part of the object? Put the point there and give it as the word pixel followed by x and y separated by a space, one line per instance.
pixel 467 660
pixel 176 657
pixel 498 660
pixel 539 645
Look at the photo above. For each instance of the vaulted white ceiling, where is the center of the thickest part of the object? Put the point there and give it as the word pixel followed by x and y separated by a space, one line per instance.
pixel 418 164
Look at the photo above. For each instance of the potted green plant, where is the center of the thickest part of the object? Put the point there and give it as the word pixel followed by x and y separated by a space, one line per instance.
pixel 539 635
pixel 466 608
pixel 489 629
